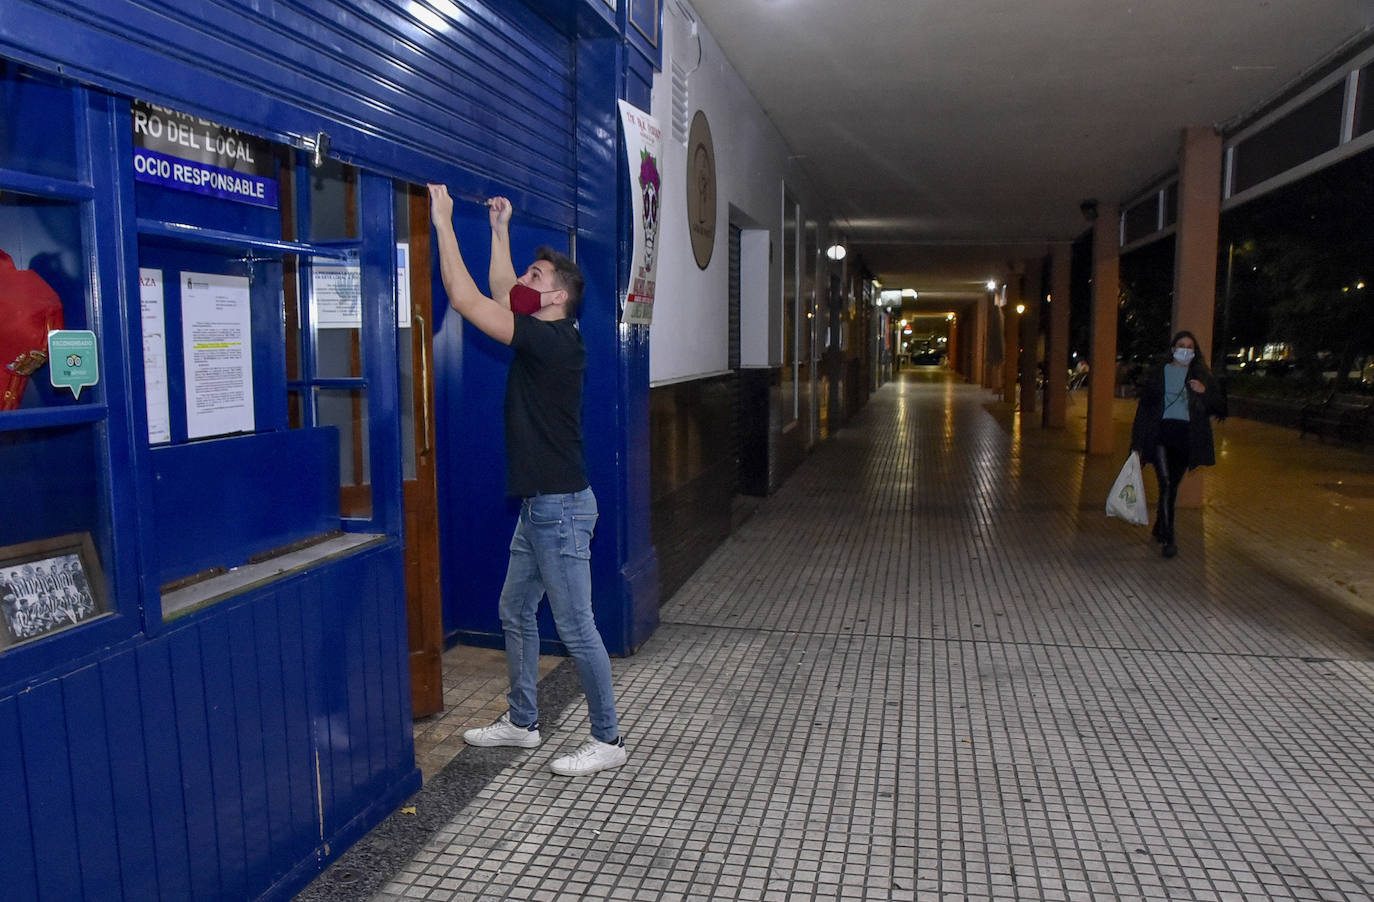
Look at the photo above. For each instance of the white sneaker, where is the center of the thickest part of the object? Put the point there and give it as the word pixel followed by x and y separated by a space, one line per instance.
pixel 592 756
pixel 503 732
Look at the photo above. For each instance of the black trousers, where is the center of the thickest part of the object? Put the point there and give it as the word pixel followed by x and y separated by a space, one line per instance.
pixel 1171 465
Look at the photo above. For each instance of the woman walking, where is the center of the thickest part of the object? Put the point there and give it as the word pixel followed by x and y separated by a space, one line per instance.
pixel 1173 428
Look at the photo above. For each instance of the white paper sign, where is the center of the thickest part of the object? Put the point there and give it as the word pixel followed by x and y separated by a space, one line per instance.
pixel 403 285
pixel 155 356
pixel 216 338
pixel 644 152
pixel 337 291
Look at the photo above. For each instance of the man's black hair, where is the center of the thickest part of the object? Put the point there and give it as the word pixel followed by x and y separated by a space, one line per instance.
pixel 567 275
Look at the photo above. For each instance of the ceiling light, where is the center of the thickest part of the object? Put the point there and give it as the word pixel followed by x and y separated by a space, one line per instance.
pixel 992 284
pixel 1020 308
pixel 835 252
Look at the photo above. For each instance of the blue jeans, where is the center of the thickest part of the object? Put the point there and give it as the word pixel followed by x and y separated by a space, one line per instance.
pixel 551 553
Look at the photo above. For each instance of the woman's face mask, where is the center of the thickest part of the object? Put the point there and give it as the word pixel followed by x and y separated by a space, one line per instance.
pixel 1183 355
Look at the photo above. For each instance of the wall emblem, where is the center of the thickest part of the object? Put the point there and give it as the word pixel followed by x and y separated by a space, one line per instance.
pixel 701 190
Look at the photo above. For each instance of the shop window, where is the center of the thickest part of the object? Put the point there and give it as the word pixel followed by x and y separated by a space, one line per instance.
pixel 1307 132
pixel 1364 103
pixel 255 288
pixel 1141 220
pixel 35 137
pixel 56 545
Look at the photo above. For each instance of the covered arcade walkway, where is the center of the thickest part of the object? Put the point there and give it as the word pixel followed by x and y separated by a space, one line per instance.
pixel 930 668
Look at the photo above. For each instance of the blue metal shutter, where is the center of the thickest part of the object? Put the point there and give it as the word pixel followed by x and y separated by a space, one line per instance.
pixel 401 89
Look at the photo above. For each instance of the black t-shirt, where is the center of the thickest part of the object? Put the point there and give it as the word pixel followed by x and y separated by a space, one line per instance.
pixel 544 408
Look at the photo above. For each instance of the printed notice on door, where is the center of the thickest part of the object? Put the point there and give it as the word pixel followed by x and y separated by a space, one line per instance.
pixel 155 356
pixel 216 340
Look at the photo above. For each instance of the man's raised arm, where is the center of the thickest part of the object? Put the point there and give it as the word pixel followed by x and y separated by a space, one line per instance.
pixel 463 294
pixel 501 270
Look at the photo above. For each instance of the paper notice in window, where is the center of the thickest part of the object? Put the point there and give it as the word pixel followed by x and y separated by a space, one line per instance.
pixel 155 356
pixel 338 295
pixel 216 341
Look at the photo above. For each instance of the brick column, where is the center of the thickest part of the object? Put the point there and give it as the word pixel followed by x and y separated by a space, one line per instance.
pixel 1195 254
pixel 979 357
pixel 1011 339
pixel 1102 357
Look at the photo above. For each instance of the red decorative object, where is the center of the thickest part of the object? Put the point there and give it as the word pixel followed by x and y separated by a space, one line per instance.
pixel 29 309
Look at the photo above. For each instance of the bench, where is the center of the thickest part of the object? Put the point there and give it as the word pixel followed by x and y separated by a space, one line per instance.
pixel 1346 417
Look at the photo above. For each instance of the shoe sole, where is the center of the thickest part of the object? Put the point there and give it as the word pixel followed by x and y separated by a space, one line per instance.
pixel 586 773
pixel 501 743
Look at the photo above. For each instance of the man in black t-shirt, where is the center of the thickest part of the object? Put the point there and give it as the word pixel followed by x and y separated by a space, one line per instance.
pixel 550 552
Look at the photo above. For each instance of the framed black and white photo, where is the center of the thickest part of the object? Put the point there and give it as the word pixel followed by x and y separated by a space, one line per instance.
pixel 48 586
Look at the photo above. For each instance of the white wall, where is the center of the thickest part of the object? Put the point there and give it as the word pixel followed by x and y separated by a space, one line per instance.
pixel 690 332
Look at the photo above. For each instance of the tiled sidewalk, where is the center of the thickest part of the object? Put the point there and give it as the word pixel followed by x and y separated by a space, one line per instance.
pixel 930 668
pixel 475 684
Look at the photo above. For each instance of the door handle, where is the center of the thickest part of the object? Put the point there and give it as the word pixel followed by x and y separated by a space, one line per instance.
pixel 424 376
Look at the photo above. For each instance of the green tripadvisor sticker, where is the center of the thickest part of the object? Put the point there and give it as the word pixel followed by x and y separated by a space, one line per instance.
pixel 72 360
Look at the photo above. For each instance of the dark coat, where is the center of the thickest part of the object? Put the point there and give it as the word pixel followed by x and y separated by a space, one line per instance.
pixel 1149 412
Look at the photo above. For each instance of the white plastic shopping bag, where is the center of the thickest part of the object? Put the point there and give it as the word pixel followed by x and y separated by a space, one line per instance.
pixel 1127 498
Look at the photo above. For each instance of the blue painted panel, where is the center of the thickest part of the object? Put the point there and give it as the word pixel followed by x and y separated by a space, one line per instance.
pixel 368 624
pixel 353 708
pixel 161 745
pixel 94 797
pixel 615 412
pixel 197 781
pixel 256 804
pixel 265 683
pixel 325 675
pixel 169 205
pixel 221 714
pixel 458 86
pixel 43 734
pixel 298 718
pixel 393 637
pixel 28 96
pixel 16 852
pixel 377 259
pixel 251 505
pixel 133 811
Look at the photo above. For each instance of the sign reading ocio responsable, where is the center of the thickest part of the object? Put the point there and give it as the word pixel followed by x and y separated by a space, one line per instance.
pixel 181 151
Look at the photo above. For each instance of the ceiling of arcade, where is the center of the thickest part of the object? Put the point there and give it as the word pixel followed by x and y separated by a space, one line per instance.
pixel 957 139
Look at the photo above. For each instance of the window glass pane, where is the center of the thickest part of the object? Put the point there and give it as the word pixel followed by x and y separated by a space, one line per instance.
pixel 336 312
pixel 38 130
pixel 54 532
pixel 1364 102
pixel 346 409
pixel 1142 219
pixel 42 286
pixel 1306 132
pixel 338 353
pixel 291 315
pixel 333 202
pixel 295 409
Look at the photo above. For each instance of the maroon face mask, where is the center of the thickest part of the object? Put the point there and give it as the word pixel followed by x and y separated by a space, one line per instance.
pixel 524 299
